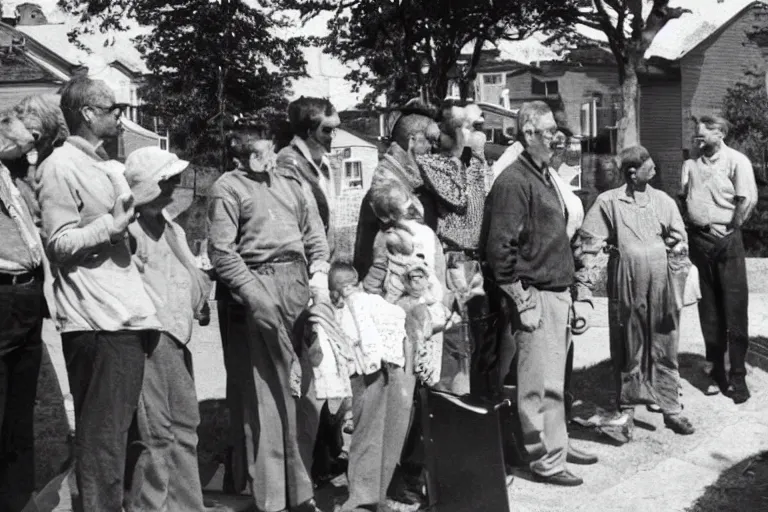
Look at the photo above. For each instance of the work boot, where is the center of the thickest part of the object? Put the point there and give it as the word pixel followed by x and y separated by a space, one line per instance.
pixel 564 478
pixel 679 424
pixel 719 382
pixel 581 457
pixel 307 506
pixel 738 390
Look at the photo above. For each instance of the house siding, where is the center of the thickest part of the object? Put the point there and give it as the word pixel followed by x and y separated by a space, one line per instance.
pixel 661 130
pixel 10 95
pixel 348 201
pixel 716 65
pixel 575 87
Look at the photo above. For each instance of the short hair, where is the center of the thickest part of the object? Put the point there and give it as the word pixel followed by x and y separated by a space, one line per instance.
pixel 42 116
pixel 305 114
pixel 79 92
pixel 632 158
pixel 715 122
pixel 240 141
pixel 388 199
pixel 341 274
pixel 529 113
pixel 409 125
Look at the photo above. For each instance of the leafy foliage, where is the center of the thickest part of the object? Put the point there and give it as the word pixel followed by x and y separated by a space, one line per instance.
pixel 206 60
pixel 390 40
pixel 629 34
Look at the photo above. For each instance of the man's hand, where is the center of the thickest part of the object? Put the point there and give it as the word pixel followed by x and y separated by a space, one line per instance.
pixel 530 319
pixel 204 317
pixel 582 311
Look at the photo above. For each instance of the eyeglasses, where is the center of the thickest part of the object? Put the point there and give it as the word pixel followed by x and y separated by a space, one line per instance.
pixel 116 109
pixel 329 130
pixel 549 133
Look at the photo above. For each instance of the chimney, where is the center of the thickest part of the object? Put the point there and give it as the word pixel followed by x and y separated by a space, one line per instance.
pixel 30 14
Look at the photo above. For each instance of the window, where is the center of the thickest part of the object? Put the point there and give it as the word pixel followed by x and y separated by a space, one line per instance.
pixel 353 174
pixel 544 87
pixel 493 79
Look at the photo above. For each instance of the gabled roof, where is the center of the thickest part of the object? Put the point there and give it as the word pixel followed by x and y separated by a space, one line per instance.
pixel 121 49
pixel 680 36
pixel 20 68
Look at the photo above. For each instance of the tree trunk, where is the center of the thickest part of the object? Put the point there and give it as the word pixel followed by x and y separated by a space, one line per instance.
pixel 627 135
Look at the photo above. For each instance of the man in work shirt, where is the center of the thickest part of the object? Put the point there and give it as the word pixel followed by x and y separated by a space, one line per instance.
pixel 719 193
pixel 268 246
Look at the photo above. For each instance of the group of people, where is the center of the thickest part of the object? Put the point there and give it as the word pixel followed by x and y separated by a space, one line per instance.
pixel 465 278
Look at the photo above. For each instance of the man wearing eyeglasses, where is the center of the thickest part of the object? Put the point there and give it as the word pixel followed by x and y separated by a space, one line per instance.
pixel 529 254
pixel 104 314
pixel 314 122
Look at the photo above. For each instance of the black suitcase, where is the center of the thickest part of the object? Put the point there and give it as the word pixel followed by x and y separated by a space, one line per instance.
pixel 464 452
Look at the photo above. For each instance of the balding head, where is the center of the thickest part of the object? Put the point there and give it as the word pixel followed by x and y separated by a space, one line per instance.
pixel 420 129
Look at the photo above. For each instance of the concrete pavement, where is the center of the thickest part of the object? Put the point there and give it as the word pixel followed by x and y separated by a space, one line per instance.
pixel 658 470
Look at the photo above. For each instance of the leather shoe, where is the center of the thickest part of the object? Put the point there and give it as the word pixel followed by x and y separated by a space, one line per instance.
pixel 577 456
pixel 564 478
pixel 738 390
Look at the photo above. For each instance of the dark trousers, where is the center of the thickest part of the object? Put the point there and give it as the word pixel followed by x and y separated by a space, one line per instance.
pixel 724 304
pixel 21 349
pixel 233 326
pixel 105 371
pixel 166 476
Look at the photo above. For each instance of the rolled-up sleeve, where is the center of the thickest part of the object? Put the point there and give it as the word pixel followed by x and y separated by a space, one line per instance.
pixel 223 221
pixel 744 184
pixel 60 203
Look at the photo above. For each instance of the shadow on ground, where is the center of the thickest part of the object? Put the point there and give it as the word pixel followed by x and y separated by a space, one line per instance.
pixel 52 449
pixel 742 487
pixel 213 436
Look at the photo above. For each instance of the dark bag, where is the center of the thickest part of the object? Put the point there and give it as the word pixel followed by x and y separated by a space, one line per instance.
pixel 464 452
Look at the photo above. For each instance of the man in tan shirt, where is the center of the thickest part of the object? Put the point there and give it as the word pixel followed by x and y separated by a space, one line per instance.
pixel 719 193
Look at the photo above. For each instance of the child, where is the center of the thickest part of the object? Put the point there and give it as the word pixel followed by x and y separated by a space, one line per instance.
pixel 168 412
pixel 382 388
pixel 408 270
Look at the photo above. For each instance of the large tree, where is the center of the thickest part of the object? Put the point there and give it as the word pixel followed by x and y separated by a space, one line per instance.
pixel 389 41
pixel 629 34
pixel 207 61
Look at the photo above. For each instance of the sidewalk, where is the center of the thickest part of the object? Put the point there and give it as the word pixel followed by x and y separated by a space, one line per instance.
pixel 656 471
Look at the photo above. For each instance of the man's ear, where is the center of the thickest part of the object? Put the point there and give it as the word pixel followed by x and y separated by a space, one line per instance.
pixel 527 131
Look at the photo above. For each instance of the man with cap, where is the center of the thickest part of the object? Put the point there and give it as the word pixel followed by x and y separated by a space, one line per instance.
pixel 104 314
pixel 166 476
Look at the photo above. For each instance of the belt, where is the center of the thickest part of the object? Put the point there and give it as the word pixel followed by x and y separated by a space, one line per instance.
pixel 269 266
pixel 17 279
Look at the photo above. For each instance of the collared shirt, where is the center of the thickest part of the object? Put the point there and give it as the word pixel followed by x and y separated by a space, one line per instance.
pixel 21 249
pixel 254 220
pixel 95 285
pixel 711 185
pixel 296 159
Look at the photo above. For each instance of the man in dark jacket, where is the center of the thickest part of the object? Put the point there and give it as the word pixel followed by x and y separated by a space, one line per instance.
pixel 529 254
